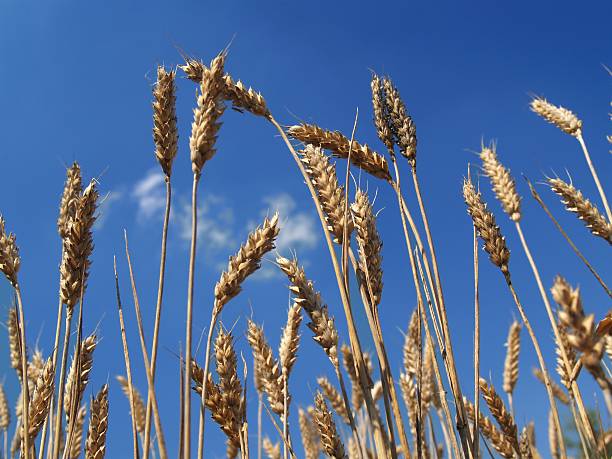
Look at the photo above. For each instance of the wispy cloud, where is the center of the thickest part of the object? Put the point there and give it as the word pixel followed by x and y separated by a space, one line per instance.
pixel 150 195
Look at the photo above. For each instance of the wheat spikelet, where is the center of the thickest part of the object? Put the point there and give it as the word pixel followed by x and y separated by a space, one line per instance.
pixel 362 156
pixel 370 245
pixel 88 345
pixel 273 450
pixel 429 393
pixel 245 262
pixel 558 392
pixel 165 132
pixel 210 107
pixel 268 366
pixel 412 345
pixel 502 182
pixel 40 400
pixel 322 174
pixel 499 412
pixel 525 445
pixel 497 438
pixel 400 123
pixel 561 117
pixel 36 365
pixel 229 384
pixel 334 398
pixel 309 299
pixel 324 421
pixel 70 198
pixel 9 255
pixel 381 114
pixel 586 211
pixel 484 222
pixel 77 434
pixel 511 365
pixel 5 411
pixel 310 438
pixel 290 340
pixel 349 366
pixel 78 246
pixel 563 343
pixel 608 346
pixel 14 347
pixel 139 406
pixel 95 446
pixel 377 391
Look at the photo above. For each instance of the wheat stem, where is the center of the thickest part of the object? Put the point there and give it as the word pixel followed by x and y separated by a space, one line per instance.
pixel 595 176
pixel 24 368
pixel 60 393
pixel 476 435
pixel 128 367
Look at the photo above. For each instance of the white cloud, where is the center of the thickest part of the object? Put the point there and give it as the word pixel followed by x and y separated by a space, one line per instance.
pixel 150 195
pixel 105 206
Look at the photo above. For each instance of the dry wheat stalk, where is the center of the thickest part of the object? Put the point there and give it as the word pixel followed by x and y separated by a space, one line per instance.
pixel 561 117
pixel 559 393
pixel 273 450
pixel 334 398
pixel 76 442
pixel 5 411
pixel 324 421
pixel 14 345
pixel 381 114
pixel 210 107
pixel 502 182
pixel 553 438
pixel 400 123
pixel 139 407
pixel 41 399
pixel 268 366
pixel 95 446
pixel 362 156
pixel 486 227
pixel 9 254
pixel 503 417
pixel 497 438
pixel 511 365
pixel 165 132
pixel 85 360
pixel 586 211
pixel 309 299
pixel 70 198
pixel 78 246
pixel 245 262
pixel 290 340
pixel 310 437
pixel 370 245
pixel 322 174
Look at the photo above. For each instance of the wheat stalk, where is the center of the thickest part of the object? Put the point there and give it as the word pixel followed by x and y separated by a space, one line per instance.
pixel 95 445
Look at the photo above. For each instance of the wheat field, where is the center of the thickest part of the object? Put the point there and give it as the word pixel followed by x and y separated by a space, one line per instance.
pixel 368 405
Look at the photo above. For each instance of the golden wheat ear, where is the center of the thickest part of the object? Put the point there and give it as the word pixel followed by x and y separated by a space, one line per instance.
pixel 324 421
pixel 504 418
pixel 559 116
pixel 95 445
pixel 165 132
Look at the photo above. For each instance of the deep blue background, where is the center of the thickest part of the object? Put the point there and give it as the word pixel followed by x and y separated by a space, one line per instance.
pixel 75 83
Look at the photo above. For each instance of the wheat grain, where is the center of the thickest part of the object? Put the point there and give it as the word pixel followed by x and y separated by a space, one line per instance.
pixel 362 156
pixel 586 211
pixel 324 421
pixel 95 446
pixel 165 132
pixel 486 227
pixel 511 365
pixel 502 182
pixel 245 262
pixel 561 117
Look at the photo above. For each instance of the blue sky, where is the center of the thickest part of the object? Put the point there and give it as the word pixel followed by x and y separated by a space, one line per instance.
pixel 75 83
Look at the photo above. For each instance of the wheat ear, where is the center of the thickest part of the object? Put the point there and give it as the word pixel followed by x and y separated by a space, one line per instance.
pixel 334 398
pixel 503 417
pixel 327 429
pixel 310 437
pixel 95 445
pixel 41 400
pixel 273 450
pixel 400 122
pixel 85 364
pixel 77 434
pixel 139 407
pixel 511 364
pixel 557 390
pixel 5 418
pixel 586 211
pixel 165 132
pixel 502 182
